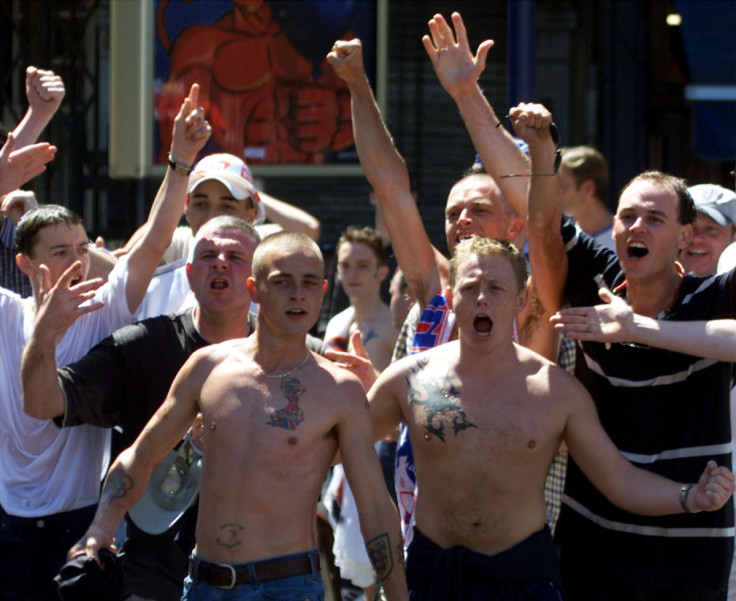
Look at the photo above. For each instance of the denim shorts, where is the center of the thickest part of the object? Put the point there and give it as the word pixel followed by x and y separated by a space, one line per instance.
pixel 306 587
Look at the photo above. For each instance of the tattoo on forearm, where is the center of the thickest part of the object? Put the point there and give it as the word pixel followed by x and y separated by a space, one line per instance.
pixel 368 336
pixel 117 485
pixel 440 398
pixel 381 558
pixel 230 536
pixel 292 415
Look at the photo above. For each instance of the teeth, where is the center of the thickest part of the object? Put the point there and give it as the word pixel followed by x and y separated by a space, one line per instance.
pixel 696 253
pixel 637 245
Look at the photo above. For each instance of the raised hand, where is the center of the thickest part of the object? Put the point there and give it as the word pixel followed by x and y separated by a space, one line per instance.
pixel 191 130
pixel 532 123
pixel 356 362
pixel 713 490
pixel 347 60
pixel 456 67
pixel 19 166
pixel 62 304
pixel 44 90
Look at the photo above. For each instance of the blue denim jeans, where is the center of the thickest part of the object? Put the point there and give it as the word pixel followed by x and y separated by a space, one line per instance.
pixel 34 549
pixel 306 587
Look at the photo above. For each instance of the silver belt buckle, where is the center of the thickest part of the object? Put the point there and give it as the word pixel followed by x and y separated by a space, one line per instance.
pixel 233 577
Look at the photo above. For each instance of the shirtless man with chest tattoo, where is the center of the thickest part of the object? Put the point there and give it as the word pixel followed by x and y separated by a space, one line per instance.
pixel 274 416
pixel 485 418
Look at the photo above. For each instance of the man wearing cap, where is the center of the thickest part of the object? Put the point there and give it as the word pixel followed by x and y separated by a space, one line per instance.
pixel 713 229
pixel 220 184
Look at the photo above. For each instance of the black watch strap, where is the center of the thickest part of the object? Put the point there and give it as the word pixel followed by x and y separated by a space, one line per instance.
pixel 178 168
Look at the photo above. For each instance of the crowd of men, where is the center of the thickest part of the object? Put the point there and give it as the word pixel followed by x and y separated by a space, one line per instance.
pixel 179 374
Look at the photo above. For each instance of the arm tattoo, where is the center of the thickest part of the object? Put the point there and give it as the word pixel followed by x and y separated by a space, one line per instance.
pixel 231 536
pixel 440 398
pixel 379 553
pixel 117 485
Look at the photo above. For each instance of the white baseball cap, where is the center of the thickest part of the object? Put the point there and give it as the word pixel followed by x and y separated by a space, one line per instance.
pixel 234 174
pixel 717 202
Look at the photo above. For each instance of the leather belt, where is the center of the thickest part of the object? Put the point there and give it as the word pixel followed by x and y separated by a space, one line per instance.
pixel 228 576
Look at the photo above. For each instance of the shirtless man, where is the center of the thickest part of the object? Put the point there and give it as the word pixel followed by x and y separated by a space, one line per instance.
pixel 488 455
pixel 274 416
pixel 362 267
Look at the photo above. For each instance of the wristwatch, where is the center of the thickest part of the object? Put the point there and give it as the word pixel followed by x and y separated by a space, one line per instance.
pixel 178 168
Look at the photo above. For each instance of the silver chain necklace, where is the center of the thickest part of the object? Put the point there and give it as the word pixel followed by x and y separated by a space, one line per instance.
pixel 288 372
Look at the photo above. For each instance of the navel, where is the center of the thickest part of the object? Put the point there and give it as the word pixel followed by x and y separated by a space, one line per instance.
pixel 532 444
pixel 292 441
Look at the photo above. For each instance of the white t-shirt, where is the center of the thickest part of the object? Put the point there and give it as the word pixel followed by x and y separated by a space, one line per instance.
pixel 45 469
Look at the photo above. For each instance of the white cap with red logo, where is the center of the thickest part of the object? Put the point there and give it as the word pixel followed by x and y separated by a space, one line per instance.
pixel 234 174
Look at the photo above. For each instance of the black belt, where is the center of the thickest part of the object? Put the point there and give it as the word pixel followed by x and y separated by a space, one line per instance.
pixel 227 576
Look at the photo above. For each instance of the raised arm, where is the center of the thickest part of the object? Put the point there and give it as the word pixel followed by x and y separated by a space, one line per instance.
pixel 191 132
pixel 458 71
pixel 45 91
pixel 547 256
pixel 128 476
pixel 615 321
pixel 387 173
pixel 290 217
pixel 379 519
pixel 634 489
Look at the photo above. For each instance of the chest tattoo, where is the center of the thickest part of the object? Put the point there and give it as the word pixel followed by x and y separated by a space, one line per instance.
pixel 368 336
pixel 440 398
pixel 292 415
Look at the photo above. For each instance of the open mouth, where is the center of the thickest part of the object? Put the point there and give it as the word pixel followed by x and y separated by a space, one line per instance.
pixel 296 312
pixel 76 280
pixel 697 253
pixel 483 324
pixel 637 250
pixel 219 284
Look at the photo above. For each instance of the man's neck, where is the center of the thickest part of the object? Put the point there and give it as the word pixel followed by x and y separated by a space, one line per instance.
pixel 652 296
pixel 366 308
pixel 218 327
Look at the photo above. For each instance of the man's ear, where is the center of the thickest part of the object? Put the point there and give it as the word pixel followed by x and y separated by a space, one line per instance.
pixel 250 285
pixel 188 268
pixel 588 188
pixel 515 227
pixel 686 235
pixel 24 264
pixel 523 298
pixel 382 272
pixel 449 297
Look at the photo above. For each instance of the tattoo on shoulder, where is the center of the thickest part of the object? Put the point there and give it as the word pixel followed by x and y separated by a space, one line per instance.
pixel 117 485
pixel 380 555
pixel 231 536
pixel 292 415
pixel 440 398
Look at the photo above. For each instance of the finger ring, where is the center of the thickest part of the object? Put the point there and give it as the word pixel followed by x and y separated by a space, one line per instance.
pixel 441 49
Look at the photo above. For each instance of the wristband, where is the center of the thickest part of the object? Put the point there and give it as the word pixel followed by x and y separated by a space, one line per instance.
pixel 180 169
pixel 684 490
